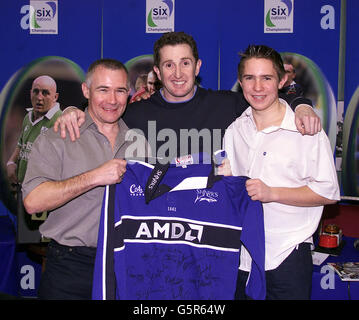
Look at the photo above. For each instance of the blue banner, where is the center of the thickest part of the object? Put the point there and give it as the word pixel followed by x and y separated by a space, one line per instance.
pixel 63 37
pixel 125 36
pixel 312 45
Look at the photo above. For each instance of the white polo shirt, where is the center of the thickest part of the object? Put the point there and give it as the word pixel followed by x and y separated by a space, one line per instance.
pixel 281 157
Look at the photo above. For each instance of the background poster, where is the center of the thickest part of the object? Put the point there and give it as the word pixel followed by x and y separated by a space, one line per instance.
pixel 307 31
pixel 312 43
pixel 64 55
pixel 63 37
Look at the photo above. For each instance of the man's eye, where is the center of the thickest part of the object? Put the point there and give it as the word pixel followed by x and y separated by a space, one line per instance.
pixel 43 92
pixel 122 91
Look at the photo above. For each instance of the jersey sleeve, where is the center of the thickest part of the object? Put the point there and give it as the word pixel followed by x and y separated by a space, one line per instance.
pixel 296 101
pixel 104 282
pixel 252 237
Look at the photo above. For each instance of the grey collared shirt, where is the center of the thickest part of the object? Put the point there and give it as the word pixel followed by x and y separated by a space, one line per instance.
pixel 55 159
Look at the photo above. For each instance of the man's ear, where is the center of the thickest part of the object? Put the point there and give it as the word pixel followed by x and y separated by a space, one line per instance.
pixel 157 70
pixel 283 81
pixel 85 90
pixel 198 66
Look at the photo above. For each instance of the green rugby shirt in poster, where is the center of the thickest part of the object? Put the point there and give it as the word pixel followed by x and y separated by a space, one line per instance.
pixel 30 131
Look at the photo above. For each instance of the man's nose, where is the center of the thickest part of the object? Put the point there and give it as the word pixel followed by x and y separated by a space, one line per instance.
pixel 112 97
pixel 258 85
pixel 40 95
pixel 178 72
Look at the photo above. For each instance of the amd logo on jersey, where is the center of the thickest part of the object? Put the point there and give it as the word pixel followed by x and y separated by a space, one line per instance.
pixel 170 230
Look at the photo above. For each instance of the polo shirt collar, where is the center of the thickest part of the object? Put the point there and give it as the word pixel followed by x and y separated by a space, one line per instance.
pixel 89 122
pixel 288 122
pixel 49 114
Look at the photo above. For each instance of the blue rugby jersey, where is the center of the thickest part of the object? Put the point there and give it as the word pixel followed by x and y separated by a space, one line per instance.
pixel 184 244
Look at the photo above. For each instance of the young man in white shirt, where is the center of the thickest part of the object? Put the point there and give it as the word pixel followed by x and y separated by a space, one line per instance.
pixel 291 174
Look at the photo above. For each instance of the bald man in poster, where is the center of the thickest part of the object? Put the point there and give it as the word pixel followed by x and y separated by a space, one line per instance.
pixel 43 114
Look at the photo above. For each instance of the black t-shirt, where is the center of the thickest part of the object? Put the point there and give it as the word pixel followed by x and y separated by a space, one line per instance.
pixel 196 125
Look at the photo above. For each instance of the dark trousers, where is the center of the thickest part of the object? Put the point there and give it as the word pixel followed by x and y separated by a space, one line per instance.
pixel 291 280
pixel 68 273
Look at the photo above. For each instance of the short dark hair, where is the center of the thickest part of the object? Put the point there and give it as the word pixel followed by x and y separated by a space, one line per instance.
pixel 107 63
pixel 261 52
pixel 171 39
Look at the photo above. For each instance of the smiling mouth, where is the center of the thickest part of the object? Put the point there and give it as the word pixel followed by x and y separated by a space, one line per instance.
pixel 178 83
pixel 257 97
pixel 112 108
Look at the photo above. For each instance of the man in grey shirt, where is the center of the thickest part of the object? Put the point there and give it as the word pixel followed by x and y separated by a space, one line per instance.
pixel 68 178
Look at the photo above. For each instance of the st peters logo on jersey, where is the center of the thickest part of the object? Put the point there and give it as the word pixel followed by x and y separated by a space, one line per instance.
pixel 136 191
pixel 160 16
pixel 206 195
pixel 184 161
pixel 278 16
